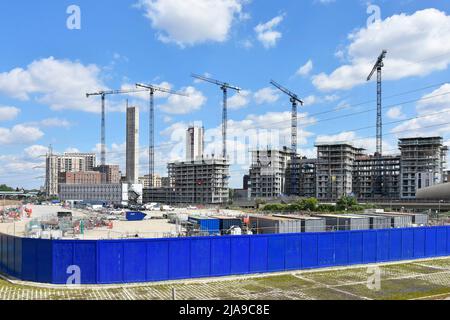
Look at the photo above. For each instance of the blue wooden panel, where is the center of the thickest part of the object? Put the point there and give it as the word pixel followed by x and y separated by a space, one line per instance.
pixel 200 258
pixel 62 260
pixel 430 242
pixel 179 255
pixel 355 247
pixel 157 260
pixel 240 255
pixel 44 250
pixel 29 259
pixel 370 247
pixel 276 253
pixel 448 240
pixel 310 258
pixel 11 255
pixel 258 254
pixel 342 248
pixel 395 247
pixel 134 260
pixel 407 244
pixel 441 241
pixel 85 256
pixel 419 242
pixel 220 256
pixel 4 253
pixel 383 245
pixel 110 261
pixel 18 257
pixel 293 245
pixel 326 250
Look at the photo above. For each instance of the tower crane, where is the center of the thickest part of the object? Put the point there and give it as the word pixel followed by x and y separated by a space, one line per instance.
pixel 103 95
pixel 151 159
pixel 378 66
pixel 295 100
pixel 224 87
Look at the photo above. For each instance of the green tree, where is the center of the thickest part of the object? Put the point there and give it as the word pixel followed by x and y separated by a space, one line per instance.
pixel 5 188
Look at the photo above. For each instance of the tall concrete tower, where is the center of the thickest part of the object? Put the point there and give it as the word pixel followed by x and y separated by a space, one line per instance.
pixel 195 140
pixel 132 161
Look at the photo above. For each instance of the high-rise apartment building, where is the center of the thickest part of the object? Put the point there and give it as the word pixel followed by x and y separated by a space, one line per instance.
pixel 68 162
pixel 195 137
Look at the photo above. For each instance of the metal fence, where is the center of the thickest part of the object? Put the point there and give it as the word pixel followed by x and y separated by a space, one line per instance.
pixel 147 260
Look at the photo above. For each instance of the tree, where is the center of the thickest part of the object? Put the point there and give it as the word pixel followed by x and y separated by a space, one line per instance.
pixel 346 203
pixel 5 188
pixel 310 204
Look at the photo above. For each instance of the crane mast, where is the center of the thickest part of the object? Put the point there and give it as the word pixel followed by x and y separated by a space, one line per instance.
pixel 151 156
pixel 224 87
pixel 103 95
pixel 295 100
pixel 378 68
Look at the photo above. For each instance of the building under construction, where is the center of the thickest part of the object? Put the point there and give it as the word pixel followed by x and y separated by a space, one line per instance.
pixel 334 170
pixel 268 173
pixel 200 182
pixel 340 170
pixel 423 161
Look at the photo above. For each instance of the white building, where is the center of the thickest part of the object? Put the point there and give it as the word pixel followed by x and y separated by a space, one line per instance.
pixel 132 134
pixel 195 137
pixel 68 162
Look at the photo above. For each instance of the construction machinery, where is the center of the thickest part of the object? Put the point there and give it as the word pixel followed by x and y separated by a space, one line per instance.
pixel 224 87
pixel 378 67
pixel 151 159
pixel 103 95
pixel 295 100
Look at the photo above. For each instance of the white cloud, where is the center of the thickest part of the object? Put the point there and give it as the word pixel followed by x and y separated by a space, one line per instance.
pixel 36 151
pixel 265 33
pixel 20 134
pixel 350 137
pixel 239 100
pixel 433 112
pixel 305 69
pixel 266 95
pixel 183 105
pixel 395 113
pixel 61 84
pixel 417 45
pixel 8 113
pixel 190 22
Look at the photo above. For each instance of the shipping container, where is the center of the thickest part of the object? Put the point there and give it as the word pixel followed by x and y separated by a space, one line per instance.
pixel 345 222
pixel 274 225
pixel 206 224
pixel 377 222
pixel 309 224
pixel 226 223
pixel 398 220
pixel 135 216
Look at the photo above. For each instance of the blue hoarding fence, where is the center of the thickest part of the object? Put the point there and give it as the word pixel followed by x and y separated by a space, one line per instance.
pixel 147 260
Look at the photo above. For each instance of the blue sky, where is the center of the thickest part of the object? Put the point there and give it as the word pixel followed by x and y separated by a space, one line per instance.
pixel 322 50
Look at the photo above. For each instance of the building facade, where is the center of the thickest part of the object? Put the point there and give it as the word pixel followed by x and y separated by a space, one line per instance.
pixel 376 177
pixel 423 161
pixel 68 162
pixel 82 177
pixel 200 182
pixel 334 170
pixel 109 173
pixel 145 181
pixel 92 193
pixel 195 141
pixel 268 173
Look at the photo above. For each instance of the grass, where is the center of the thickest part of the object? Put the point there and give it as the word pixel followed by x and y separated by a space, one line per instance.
pixel 398 282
